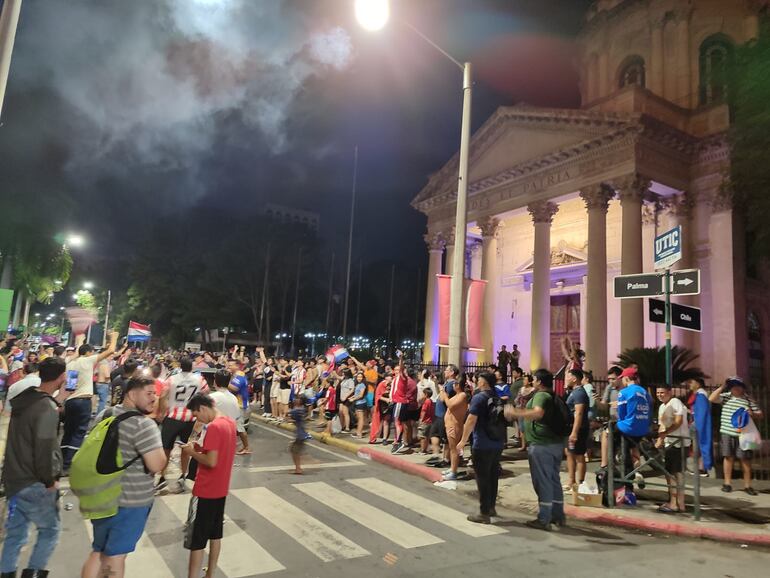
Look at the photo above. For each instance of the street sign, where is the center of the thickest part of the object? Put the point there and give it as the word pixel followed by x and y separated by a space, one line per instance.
pixel 668 248
pixel 682 316
pixel 635 286
pixel 685 282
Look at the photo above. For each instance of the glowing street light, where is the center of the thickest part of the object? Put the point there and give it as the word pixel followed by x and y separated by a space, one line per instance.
pixel 74 240
pixel 88 285
pixel 372 14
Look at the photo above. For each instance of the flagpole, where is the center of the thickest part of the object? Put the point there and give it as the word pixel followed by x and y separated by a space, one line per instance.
pixel 350 244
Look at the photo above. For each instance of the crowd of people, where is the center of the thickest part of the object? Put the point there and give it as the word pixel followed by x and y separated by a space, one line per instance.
pixel 203 402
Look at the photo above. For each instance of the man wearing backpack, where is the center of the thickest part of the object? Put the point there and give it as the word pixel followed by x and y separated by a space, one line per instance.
pixel 33 463
pixel 487 446
pixel 139 441
pixel 546 426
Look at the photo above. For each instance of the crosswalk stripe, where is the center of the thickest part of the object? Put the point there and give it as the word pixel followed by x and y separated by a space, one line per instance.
pixel 145 560
pixel 384 524
pixel 315 536
pixel 241 555
pixel 325 465
pixel 434 511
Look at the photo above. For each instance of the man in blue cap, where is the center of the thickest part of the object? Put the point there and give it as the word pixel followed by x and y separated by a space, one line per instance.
pixel 732 396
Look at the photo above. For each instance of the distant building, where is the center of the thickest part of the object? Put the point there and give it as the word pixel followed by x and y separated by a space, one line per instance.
pixel 290 215
pixel 562 201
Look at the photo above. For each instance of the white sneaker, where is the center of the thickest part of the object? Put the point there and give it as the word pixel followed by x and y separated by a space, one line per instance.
pixel 180 486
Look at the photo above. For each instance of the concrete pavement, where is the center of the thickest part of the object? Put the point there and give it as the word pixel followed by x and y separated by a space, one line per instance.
pixel 349 517
pixel 734 517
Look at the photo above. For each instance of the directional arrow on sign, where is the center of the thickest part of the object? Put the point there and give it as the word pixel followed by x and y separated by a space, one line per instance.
pixel 685 282
pixel 682 316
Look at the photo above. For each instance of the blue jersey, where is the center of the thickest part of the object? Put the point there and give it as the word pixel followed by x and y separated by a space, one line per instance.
pixel 241 383
pixel 503 390
pixel 634 411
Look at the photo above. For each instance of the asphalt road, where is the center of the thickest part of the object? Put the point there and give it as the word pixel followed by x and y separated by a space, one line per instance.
pixel 349 518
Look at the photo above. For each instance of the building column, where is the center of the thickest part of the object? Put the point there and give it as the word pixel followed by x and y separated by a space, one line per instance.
pixel 540 343
pixel 489 272
pixel 449 238
pixel 679 212
pixel 728 290
pixel 684 96
pixel 631 191
pixel 476 266
pixel 435 244
pixel 654 333
pixel 597 199
pixel 656 58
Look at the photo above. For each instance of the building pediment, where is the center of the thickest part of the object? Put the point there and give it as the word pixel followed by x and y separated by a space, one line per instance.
pixel 516 137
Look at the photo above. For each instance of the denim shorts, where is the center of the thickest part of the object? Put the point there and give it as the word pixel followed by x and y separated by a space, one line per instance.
pixel 118 534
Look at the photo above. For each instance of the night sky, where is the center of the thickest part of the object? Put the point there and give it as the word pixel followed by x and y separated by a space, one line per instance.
pixel 135 110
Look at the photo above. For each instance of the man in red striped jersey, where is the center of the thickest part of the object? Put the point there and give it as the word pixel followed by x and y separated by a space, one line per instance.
pixel 180 420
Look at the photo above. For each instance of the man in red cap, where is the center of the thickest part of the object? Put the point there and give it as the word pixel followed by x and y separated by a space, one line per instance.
pixel 634 412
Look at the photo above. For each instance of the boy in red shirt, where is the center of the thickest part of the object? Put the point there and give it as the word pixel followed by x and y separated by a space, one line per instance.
pixel 212 483
pixel 426 419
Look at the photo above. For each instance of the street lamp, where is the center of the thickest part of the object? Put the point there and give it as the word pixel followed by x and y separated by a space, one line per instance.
pixel 373 15
pixel 88 285
pixel 74 240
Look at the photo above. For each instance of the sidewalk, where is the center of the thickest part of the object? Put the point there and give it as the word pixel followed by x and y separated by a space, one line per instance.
pixel 734 517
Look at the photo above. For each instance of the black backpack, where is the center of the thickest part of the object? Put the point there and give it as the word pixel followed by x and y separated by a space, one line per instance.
pixel 558 418
pixel 496 425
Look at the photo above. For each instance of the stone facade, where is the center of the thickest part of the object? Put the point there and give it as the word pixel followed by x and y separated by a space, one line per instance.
pixel 564 200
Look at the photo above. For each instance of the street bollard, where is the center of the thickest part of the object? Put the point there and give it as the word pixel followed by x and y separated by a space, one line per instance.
pixel 610 467
pixel 696 473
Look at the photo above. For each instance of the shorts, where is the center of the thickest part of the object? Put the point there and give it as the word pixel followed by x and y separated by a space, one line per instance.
pixel 329 415
pixel 205 518
pixel 173 429
pixel 413 414
pixel 400 412
pixel 245 418
pixel 581 445
pixel 437 429
pixel 284 396
pixel 423 430
pixel 240 427
pixel 674 463
pixel 118 534
pixel 730 447
pixel 360 406
pixel 275 390
pixel 297 447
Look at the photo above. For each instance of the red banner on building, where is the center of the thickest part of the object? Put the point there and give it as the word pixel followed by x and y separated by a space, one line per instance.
pixel 444 298
pixel 474 311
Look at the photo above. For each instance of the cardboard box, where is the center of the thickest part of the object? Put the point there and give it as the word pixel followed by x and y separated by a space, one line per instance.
pixel 589 500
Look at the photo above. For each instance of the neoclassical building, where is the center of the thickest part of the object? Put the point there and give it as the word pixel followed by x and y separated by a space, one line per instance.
pixel 562 201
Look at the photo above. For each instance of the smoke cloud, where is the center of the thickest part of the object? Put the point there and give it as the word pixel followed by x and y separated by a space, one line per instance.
pixel 148 81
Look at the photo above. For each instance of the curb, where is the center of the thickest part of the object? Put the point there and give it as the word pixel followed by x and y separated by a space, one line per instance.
pixel 684 530
pixel 367 453
pixel 584 514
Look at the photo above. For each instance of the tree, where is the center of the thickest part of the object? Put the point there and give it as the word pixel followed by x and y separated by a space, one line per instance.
pixel 749 95
pixel 651 362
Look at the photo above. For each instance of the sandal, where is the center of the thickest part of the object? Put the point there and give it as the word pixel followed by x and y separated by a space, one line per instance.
pixel 665 509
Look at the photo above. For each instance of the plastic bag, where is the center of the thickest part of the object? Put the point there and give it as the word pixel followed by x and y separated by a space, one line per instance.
pixel 749 438
pixel 336 425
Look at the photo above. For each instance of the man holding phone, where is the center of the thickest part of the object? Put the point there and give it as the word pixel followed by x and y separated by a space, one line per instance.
pixel 77 408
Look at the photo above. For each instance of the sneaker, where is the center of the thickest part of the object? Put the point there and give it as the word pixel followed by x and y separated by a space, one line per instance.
pixel 180 485
pixel 433 460
pixel 308 437
pixel 560 523
pixel 479 519
pixel 445 472
pixel 493 513
pixel 386 442
pixel 703 474
pixel 356 436
pixel 395 448
pixel 450 477
pixel 750 491
pixel 161 485
pixel 267 415
pixel 639 479
pixel 727 488
pixel 538 525
pixel 402 449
